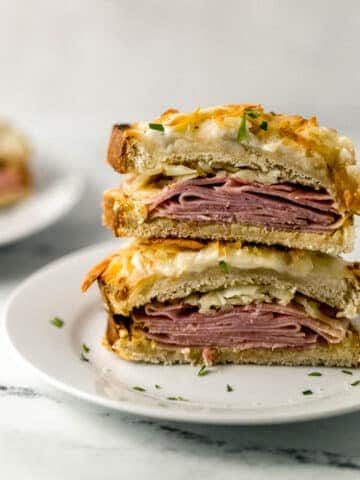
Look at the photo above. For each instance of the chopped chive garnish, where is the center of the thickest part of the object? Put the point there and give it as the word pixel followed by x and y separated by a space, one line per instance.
pixel 347 372
pixel 273 113
pixel 242 132
pixel 83 358
pixel 203 371
pixel 85 348
pixel 307 392
pixel 157 386
pixel 315 374
pixel 57 322
pixel 263 125
pixel 139 389
pixel 178 398
pixel 157 126
pixel 229 388
pixel 356 383
pixel 223 266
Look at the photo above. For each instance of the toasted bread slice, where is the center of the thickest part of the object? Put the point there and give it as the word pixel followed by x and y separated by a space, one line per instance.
pixel 230 138
pixel 165 270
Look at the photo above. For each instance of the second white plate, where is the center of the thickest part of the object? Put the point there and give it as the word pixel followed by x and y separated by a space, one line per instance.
pixel 260 394
pixel 53 195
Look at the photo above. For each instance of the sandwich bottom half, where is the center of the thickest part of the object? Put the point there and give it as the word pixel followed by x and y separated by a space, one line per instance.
pixel 172 301
pixel 132 344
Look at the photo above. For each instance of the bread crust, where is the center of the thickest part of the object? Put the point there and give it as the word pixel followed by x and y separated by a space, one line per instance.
pixel 134 346
pixel 118 146
pixel 127 217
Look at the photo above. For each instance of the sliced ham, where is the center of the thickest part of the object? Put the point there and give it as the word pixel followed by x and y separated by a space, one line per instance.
pixel 264 325
pixel 232 200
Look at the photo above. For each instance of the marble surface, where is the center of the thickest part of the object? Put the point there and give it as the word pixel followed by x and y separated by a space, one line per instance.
pixel 46 434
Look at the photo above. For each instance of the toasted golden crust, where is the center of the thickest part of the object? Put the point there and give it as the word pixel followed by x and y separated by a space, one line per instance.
pixel 126 217
pixel 206 141
pixel 95 273
pixel 134 346
pixel 117 148
pixel 169 269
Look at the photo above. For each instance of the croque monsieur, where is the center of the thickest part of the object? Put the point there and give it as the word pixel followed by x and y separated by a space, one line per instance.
pixel 235 172
pixel 184 301
pixel 15 177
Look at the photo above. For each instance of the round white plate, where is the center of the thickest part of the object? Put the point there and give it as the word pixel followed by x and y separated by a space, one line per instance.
pixel 54 194
pixel 260 394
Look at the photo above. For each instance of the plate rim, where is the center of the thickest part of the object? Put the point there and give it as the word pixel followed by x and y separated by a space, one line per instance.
pixel 78 181
pixel 153 411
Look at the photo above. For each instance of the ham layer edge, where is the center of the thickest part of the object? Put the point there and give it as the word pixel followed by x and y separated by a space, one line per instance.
pixel 232 200
pixel 264 325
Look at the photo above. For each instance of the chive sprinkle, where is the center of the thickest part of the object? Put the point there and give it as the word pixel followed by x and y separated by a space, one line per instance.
pixel 157 386
pixel 307 392
pixel 83 358
pixel 139 389
pixel 229 388
pixel 263 125
pixel 157 126
pixel 347 372
pixel 85 348
pixel 315 374
pixel 273 113
pixel 203 371
pixel 57 322
pixel 223 266
pixel 178 398
pixel 356 383
pixel 242 132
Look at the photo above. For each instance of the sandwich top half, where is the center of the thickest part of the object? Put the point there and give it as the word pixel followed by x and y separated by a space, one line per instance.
pixel 235 172
pixel 217 302
pixel 15 177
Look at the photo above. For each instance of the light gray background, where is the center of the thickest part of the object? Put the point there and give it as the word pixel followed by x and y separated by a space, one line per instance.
pixel 134 58
pixel 68 70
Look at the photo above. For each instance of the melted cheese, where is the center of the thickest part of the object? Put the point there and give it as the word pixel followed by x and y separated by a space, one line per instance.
pixel 174 258
pixel 284 134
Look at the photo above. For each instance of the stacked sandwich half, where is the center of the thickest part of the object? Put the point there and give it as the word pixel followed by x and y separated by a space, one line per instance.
pixel 240 216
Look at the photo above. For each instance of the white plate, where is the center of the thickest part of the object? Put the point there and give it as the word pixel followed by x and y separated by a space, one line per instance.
pixel 53 196
pixel 261 394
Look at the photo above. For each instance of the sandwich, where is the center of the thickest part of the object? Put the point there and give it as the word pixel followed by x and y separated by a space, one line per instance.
pixel 184 301
pixel 235 172
pixel 15 179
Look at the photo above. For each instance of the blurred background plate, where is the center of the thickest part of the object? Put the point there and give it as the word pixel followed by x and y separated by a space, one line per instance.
pixel 53 195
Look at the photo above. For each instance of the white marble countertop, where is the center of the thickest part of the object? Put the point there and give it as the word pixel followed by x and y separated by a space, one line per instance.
pixel 45 434
pixel 134 59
